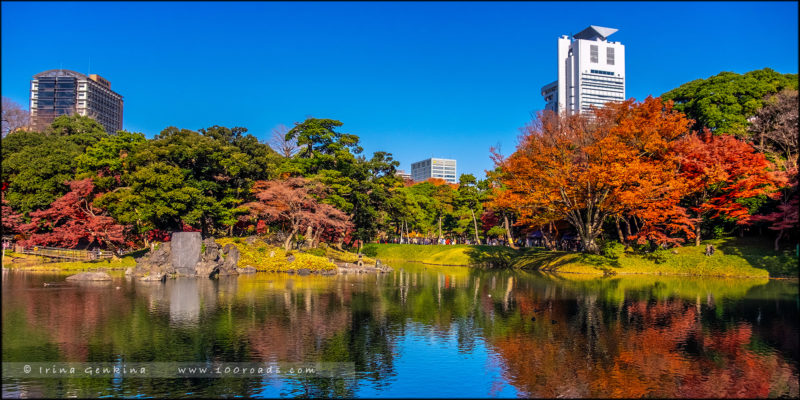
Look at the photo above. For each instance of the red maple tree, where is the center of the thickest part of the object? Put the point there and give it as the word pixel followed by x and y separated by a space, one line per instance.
pixel 292 201
pixel 785 218
pixel 721 170
pixel 11 220
pixel 72 220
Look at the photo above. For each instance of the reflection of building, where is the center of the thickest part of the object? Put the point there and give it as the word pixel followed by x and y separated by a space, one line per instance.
pixel 434 168
pixel 591 72
pixel 64 92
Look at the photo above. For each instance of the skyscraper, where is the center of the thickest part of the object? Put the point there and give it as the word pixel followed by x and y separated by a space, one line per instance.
pixel 591 72
pixel 64 92
pixel 434 168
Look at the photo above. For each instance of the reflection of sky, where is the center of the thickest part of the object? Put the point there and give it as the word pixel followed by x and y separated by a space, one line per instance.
pixel 428 365
pixel 425 365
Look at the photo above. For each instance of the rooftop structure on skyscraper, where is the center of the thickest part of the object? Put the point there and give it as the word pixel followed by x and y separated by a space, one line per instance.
pixel 591 72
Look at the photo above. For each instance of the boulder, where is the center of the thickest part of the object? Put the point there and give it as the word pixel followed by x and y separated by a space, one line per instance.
pixel 90 276
pixel 246 270
pixel 187 255
pixel 153 277
pixel 231 260
pixel 303 271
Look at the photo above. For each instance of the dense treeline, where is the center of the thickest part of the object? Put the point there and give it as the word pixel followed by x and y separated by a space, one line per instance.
pixel 76 186
pixel 711 158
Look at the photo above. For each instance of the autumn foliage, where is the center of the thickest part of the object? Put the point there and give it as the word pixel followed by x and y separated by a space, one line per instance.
pixel 293 202
pixel 721 170
pixel 637 164
pixel 584 169
pixel 73 221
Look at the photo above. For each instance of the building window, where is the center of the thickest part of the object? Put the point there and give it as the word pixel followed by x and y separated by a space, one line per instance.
pixel 593 53
pixel 610 56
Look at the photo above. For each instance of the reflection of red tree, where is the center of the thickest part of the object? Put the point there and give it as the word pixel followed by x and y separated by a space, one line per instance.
pixel 299 338
pixel 644 358
pixel 73 315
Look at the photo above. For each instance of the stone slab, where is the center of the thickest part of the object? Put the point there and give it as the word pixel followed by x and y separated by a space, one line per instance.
pixel 186 248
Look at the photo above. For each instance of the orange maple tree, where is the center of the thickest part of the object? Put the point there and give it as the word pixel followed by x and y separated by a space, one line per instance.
pixel 585 168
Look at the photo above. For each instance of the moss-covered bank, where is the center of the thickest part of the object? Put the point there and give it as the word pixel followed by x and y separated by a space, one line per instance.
pixel 28 262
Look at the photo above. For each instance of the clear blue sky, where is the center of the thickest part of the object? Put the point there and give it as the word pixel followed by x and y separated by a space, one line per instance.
pixel 416 79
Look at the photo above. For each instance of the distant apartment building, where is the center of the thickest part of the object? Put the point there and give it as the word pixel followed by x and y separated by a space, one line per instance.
pixel 591 72
pixel 64 92
pixel 434 168
pixel 403 174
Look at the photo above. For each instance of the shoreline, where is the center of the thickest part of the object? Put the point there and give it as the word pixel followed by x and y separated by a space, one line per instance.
pixel 739 258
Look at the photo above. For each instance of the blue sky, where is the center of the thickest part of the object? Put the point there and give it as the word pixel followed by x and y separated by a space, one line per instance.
pixel 417 79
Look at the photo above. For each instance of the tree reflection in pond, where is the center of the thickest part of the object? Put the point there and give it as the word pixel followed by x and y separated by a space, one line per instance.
pixel 418 331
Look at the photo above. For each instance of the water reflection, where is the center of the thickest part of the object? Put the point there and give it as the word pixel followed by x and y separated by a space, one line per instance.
pixel 419 331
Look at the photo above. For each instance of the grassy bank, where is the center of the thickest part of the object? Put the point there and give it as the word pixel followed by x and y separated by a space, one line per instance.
pixel 265 257
pixel 28 262
pixel 734 257
pixel 441 254
pixel 257 254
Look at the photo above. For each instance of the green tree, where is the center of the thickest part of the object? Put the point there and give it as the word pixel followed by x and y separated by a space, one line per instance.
pixel 359 186
pixel 725 102
pixel 469 200
pixel 37 165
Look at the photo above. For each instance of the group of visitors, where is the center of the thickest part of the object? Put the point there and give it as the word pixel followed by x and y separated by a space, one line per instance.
pixel 567 243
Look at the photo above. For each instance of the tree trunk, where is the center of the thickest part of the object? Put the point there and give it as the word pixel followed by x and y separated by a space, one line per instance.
pixel 508 232
pixel 619 232
pixel 288 242
pixel 317 234
pixel 697 234
pixel 475 223
pixel 778 239
pixel 547 237
pixel 440 229
pixel 309 236
pixel 627 227
pixel 589 245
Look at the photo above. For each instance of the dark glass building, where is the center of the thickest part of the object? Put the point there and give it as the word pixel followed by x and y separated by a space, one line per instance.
pixel 64 92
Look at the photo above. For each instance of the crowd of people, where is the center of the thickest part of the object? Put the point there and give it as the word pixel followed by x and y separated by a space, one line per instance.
pixel 565 244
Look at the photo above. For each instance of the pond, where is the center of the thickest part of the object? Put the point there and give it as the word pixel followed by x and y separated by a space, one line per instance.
pixel 420 331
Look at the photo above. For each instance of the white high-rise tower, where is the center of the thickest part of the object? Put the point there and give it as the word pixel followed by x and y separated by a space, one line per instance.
pixel 591 72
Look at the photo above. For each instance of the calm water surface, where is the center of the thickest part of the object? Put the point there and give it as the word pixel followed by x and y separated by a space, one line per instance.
pixel 421 331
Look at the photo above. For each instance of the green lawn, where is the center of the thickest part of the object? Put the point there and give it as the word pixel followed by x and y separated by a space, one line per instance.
pixel 734 257
pixel 441 254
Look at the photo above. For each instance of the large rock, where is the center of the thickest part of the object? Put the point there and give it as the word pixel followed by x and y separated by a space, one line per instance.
pixel 90 276
pixel 186 248
pixel 188 255
pixel 154 277
pixel 210 260
pixel 231 260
